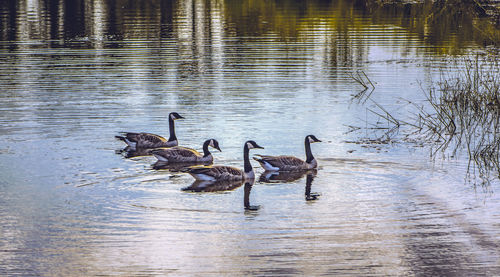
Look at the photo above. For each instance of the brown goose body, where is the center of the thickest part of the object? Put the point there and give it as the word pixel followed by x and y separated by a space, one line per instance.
pixel 217 173
pixel 284 163
pixel 179 154
pixel 226 173
pixel 290 163
pixel 147 140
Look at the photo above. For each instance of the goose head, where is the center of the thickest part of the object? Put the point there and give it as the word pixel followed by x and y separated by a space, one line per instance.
pixel 214 143
pixel 312 139
pixel 174 116
pixel 252 144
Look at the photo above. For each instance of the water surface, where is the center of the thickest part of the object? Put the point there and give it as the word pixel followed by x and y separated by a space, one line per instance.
pixel 73 76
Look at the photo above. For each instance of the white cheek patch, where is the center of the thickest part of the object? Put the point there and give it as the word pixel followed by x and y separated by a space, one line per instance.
pixel 310 139
pixel 211 143
pixel 249 145
pixel 172 117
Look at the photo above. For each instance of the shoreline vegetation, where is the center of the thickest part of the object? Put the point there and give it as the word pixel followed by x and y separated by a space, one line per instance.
pixel 464 115
pixel 480 8
pixel 461 115
pixel 482 15
pixel 448 25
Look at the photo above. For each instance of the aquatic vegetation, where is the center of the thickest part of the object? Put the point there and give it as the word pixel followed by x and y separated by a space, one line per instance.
pixel 461 114
pixel 464 113
pixel 361 78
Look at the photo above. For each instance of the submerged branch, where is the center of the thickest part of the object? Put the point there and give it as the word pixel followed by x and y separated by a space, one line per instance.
pixel 364 81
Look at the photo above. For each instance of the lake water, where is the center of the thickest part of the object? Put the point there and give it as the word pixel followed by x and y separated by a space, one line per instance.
pixel 76 73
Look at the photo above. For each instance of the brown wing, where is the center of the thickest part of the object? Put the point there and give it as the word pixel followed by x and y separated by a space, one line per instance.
pixel 135 137
pixel 280 161
pixel 177 153
pixel 218 172
pixel 184 151
pixel 146 140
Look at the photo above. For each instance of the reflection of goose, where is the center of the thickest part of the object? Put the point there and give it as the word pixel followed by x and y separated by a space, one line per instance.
pixel 213 186
pixel 310 195
pixel 173 167
pixel 283 176
pixel 221 172
pixel 246 197
pixel 290 163
pixel 128 152
pixel 146 140
pixel 179 154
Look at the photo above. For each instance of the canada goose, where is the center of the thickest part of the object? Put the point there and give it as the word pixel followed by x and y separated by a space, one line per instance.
pixel 147 140
pixel 290 163
pixel 179 154
pixel 221 172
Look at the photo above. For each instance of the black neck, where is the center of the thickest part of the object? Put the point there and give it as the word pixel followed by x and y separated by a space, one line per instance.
pixel 171 128
pixel 205 148
pixel 248 165
pixel 309 155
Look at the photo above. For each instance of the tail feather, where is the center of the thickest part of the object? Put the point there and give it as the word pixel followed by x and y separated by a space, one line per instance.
pixel 125 139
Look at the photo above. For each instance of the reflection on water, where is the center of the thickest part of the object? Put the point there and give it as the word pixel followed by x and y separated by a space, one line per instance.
pixel 221 186
pixel 284 176
pixel 280 177
pixel 310 195
pixel 246 199
pixel 75 73
pixel 175 167
pixel 129 153
pixel 212 186
pixel 192 22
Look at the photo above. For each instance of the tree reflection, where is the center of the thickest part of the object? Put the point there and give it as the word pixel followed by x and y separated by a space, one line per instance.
pixel 196 24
